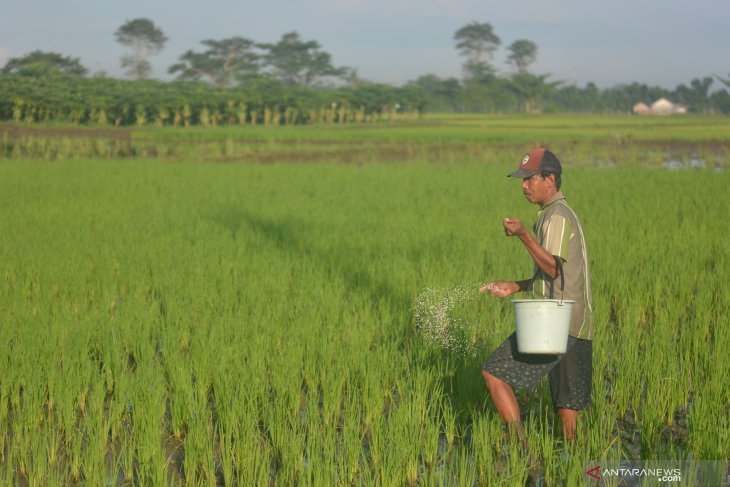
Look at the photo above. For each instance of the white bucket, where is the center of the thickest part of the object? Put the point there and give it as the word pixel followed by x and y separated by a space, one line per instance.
pixel 542 325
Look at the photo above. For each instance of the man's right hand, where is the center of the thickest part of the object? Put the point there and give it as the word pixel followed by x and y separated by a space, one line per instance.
pixel 500 289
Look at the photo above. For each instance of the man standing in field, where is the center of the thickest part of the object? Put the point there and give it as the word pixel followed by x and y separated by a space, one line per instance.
pixel 558 235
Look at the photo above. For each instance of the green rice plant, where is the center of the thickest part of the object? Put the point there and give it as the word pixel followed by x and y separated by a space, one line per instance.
pixel 486 446
pixel 148 409
pixel 350 457
pixel 254 457
pixel 74 445
pixel 9 476
pixel 198 444
pixel 96 434
pixel 52 443
pixel 225 436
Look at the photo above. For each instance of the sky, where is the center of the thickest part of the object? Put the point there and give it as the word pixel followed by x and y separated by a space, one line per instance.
pixel 656 42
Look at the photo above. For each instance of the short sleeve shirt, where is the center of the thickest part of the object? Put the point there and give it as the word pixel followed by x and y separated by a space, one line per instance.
pixel 558 231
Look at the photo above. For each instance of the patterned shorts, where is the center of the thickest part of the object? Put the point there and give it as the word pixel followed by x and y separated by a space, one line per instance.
pixel 570 374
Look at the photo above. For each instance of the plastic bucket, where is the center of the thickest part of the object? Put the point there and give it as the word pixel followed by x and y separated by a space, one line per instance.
pixel 542 325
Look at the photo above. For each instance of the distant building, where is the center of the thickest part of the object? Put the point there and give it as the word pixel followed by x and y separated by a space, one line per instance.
pixel 660 107
pixel 641 108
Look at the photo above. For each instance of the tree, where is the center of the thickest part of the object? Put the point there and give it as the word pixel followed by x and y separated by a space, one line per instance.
pixel 477 43
pixel 522 54
pixel 352 77
pixel 225 62
pixel 479 72
pixel 39 63
pixel 697 95
pixel 721 100
pixel 530 89
pixel 145 39
pixel 299 63
pixel 441 94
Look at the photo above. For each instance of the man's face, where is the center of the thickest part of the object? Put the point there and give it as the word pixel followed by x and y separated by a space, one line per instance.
pixel 538 189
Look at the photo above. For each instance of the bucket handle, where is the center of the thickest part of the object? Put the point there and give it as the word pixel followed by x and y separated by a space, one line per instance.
pixel 559 266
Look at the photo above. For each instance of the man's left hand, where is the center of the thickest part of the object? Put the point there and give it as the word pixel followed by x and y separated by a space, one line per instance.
pixel 513 227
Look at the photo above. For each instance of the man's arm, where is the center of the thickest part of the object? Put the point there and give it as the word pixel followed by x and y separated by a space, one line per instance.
pixel 513 227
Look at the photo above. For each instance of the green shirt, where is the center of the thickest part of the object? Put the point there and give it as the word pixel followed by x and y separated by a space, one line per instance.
pixel 558 230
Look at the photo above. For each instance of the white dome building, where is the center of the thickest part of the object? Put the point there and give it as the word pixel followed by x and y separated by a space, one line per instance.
pixel 663 107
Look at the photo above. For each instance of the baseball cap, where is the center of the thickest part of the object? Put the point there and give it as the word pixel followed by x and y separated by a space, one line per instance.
pixel 537 161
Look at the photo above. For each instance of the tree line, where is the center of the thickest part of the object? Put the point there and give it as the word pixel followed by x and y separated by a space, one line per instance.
pixel 239 81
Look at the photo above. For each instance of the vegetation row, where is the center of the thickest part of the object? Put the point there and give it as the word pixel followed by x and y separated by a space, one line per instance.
pixel 105 101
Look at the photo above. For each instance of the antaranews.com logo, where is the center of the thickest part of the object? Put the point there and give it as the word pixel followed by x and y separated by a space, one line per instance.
pixel 636 473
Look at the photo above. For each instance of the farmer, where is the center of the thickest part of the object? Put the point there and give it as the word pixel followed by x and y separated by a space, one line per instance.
pixel 558 235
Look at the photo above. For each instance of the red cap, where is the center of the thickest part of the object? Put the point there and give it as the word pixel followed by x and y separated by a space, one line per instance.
pixel 537 161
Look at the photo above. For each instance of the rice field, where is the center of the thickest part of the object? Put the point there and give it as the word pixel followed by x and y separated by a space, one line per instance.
pixel 192 320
